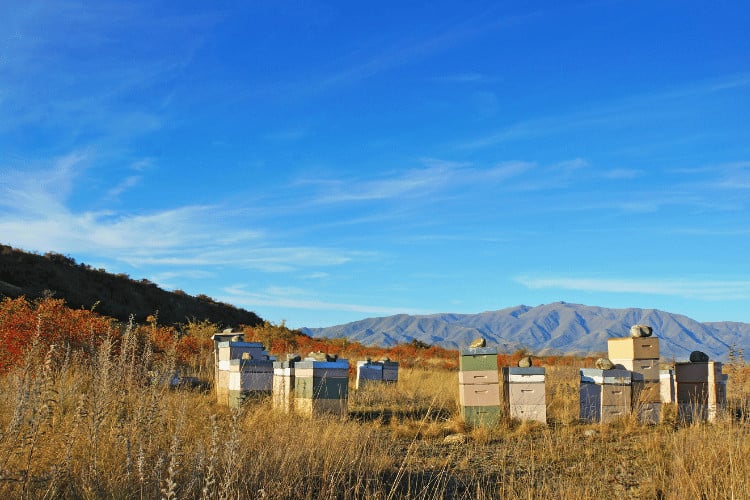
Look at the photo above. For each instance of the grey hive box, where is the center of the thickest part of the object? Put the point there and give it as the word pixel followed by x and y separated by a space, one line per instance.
pixel 605 395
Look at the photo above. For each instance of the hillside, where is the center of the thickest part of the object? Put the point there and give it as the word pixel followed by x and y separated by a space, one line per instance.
pixel 558 328
pixel 118 296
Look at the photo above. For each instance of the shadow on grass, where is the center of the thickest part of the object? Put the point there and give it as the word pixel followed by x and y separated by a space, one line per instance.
pixel 385 415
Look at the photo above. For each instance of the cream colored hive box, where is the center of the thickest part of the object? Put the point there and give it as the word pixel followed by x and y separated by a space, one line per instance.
pixel 479 377
pixel 524 393
pixel 633 348
pixel 479 394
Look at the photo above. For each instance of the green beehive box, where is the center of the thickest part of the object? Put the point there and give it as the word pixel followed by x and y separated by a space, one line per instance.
pixel 477 362
pixel 321 388
pixel 481 416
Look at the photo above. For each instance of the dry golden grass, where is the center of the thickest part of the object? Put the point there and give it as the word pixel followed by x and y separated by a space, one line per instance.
pixel 71 429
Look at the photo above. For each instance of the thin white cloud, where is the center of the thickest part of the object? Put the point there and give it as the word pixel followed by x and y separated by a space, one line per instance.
pixel 299 299
pixel 687 288
pixel 630 109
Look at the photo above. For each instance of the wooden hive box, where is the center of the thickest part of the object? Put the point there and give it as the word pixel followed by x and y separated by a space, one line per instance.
pixel 633 348
pixel 700 390
pixel 649 368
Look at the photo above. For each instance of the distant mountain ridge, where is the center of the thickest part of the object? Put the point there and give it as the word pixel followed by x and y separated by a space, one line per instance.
pixel 557 328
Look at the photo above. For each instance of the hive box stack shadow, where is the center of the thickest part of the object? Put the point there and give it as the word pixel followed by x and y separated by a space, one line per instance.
pixel 321 387
pixel 283 385
pixel 244 370
pixel 701 390
pixel 641 356
pixel 523 393
pixel 479 386
pixel 605 394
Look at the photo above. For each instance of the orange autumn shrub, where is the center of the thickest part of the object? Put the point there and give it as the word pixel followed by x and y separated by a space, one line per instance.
pixel 50 322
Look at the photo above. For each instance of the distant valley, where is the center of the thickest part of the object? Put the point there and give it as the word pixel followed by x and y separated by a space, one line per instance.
pixel 557 328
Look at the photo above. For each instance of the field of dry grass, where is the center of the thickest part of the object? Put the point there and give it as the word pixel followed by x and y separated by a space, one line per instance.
pixel 102 427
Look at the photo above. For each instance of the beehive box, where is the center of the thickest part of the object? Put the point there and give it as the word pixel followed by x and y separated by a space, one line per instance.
pixel 325 383
pixel 648 413
pixel 390 371
pixel 700 390
pixel 478 359
pixel 481 416
pixel 649 368
pixel 633 348
pixel 479 394
pixel 237 350
pixel 283 385
pixel 248 379
pixel 524 393
pixel 604 394
pixel 368 372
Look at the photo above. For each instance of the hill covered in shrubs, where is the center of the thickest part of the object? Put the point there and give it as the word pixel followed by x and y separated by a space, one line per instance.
pixel 114 295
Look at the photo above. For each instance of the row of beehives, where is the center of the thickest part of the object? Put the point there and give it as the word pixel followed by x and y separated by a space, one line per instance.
pixel 632 382
pixel 315 385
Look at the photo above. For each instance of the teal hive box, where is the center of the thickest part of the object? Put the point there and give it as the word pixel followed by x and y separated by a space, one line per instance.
pixel 478 362
pixel 481 416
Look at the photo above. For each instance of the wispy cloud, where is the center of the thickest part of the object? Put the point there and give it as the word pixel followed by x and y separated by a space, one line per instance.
pixel 295 298
pixel 437 176
pixel 694 289
pixel 616 113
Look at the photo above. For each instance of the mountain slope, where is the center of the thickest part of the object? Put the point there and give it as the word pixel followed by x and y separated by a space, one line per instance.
pixel 558 328
pixel 117 296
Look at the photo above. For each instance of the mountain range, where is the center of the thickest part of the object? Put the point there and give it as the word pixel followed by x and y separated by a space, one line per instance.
pixel 557 328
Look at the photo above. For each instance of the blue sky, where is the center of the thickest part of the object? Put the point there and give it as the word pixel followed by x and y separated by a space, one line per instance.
pixel 320 163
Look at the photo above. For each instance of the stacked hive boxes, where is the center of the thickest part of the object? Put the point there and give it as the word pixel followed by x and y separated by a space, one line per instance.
pixel 523 393
pixel 283 385
pixel 605 394
pixel 244 369
pixel 640 355
pixel 221 379
pixel 701 390
pixel 376 371
pixel 321 387
pixel 479 386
